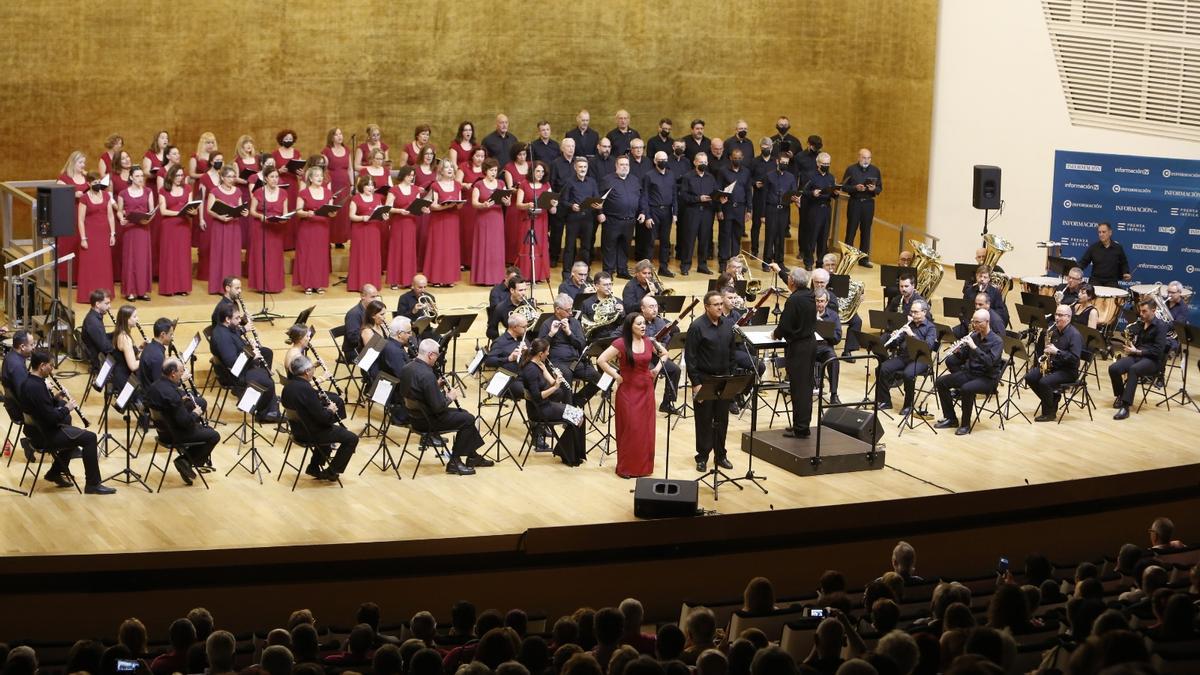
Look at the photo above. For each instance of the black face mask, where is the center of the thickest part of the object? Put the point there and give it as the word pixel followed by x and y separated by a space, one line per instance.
pixel 702 167
pixel 665 134
pixel 288 143
pixel 218 164
pixel 782 166
pixel 741 133
pixel 735 163
pixel 662 164
pixel 782 128
pixel 823 168
pixel 678 152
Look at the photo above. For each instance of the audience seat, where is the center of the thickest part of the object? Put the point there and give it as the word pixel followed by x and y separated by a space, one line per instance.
pixel 770 623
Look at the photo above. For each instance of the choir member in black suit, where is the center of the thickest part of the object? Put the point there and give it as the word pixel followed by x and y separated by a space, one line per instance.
pixel 639 164
pixel 562 170
pixel 185 417
pixel 654 325
pixel 696 190
pixel 638 287
pixel 352 340
pixel 1107 259
pixel 760 167
pixel 549 392
pixel 659 204
pixel 419 382
pixel 586 139
pixel 499 143
pixel 783 141
pixel 796 326
pixel 575 284
pixel 678 163
pixel 505 352
pixel 818 196
pixel 740 140
pixel 322 423
pixel 1142 357
pixel 718 159
pixel 662 141
pixel 544 148
pixel 899 363
pixel 697 142
pixel 227 344
pixel 732 214
pixel 779 183
pixel 863 182
pixel 983 355
pixel 622 135
pixel 566 338
pixel 96 340
pixel 804 162
pixel 52 426
pixel 620 214
pixel 1063 345
pixel 580 218
pixel 604 163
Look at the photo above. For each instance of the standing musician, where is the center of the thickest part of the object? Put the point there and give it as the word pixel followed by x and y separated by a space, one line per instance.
pixel 604 292
pixel 744 357
pixel 796 326
pixel 709 348
pixel 518 291
pixel 980 374
pixel 902 301
pixel 1059 351
pixel 655 324
pixel 185 416
pixel 549 392
pixel 95 338
pixel 983 284
pixel 53 430
pixel 322 421
pixel 1069 289
pixel 565 336
pixel 824 350
pixel 227 344
pixel 638 287
pixel 232 297
pixel 354 318
pixel 1107 258
pixel 899 363
pixel 421 383
pixel 506 351
pixel 1142 357
pixel 577 282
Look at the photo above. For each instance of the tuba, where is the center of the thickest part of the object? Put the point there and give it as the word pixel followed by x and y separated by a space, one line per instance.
pixel 997 246
pixel 606 312
pixel 848 257
pixel 928 264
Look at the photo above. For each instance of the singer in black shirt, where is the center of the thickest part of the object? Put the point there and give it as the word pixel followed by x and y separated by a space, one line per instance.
pixel 709 349
pixel 863 182
pixel 696 190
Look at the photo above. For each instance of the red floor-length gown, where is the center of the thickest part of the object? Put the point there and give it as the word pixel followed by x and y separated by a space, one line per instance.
pixel 487 252
pixel 264 255
pixel 290 184
pixel 224 243
pixel 366 238
pixel 175 246
pixel 70 243
pixel 157 170
pixel 117 185
pixel 95 262
pixel 402 243
pixel 635 412
pixel 423 180
pixel 540 230
pixel 243 164
pixel 466 215
pixel 136 265
pixel 516 223
pixel 337 177
pixel 201 238
pixel 442 252
pixel 310 268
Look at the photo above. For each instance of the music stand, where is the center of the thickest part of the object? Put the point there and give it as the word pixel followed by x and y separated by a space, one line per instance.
pixel 1188 336
pixel 124 403
pixel 580 299
pixel 916 349
pixel 676 343
pixel 1060 266
pixel 883 320
pixel 366 359
pixel 724 389
pixel 537 324
pixel 1034 319
pixel 606 409
pixel 889 275
pixel 1045 303
pixel 384 387
pixel 246 405
pixel 839 284
pixel 872 344
pixel 670 304
pixel 965 271
pixel 738 284
pixel 1013 349
pixel 302 317
pixel 453 325
pixel 101 384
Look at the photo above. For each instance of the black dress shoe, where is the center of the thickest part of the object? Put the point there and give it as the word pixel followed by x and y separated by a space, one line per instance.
pixel 803 433
pixel 945 423
pixel 865 263
pixel 1123 413
pixel 684 272
pixel 185 471
pixel 479 461
pixel 833 399
pixel 703 269
pixel 962 431
pixel 664 272
pixel 60 480
pixel 98 490
pixel 669 409
pixel 1118 403
pixel 701 465
pixel 883 405
pixel 458 468
pixel 724 463
pixel 905 411
pixel 1044 418
pixel 270 418
pixel 789 433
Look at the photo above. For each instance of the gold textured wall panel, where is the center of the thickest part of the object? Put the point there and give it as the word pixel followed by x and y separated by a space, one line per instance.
pixel 74 72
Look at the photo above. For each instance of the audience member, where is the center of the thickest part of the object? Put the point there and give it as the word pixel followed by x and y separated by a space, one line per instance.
pixel 885 615
pixel 741 654
pixel 281 637
pixel 585 618
pixel 181 634
pixel 425 662
pixel 1038 568
pixel 621 657
pixel 368 613
pixel 670 642
pixel 21 661
pixel 517 620
pixel 358 649
pixel 423 627
pixel 759 596
pixel 306 645
pixel 562 655
pixel 647 665
pixel 701 633
pixel 388 661
pixel 132 634
pixel 581 664
pixel 277 659
pixel 534 654
pixel 904 563
pixel 902 649
pixel 511 668
pixel 85 656
pixel 497 645
pixel 633 636
pixel 566 632
pixel 1162 536
pixel 202 620
pixel 711 662
pixel 826 654
pixel 610 627
pixel 220 648
pixel 772 661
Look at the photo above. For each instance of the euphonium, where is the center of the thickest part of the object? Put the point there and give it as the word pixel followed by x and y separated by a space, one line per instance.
pixel 996 246
pixel 928 263
pixel 848 257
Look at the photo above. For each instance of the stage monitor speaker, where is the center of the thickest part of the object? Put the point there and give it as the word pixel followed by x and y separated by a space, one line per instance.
pixel 56 210
pixel 659 498
pixel 853 422
pixel 986 190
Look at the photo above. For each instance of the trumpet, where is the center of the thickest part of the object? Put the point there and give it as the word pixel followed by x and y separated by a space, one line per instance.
pixel 62 391
pixel 965 341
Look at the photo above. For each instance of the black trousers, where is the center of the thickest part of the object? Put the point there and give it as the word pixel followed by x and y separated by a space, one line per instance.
pixel 466 435
pixel 822 353
pixel 614 239
pixel 1124 374
pixel 583 371
pixel 556 223
pixel 199 434
pixel 777 228
pixel 814 238
pixel 580 230
pixel 712 426
pixel 852 328
pixel 968 387
pixel 347 443
pixel 695 235
pixel 69 437
pixel 645 235
pixel 1044 385
pixel 860 213
pixel 885 374
pixel 730 231
pixel 758 215
pixel 799 360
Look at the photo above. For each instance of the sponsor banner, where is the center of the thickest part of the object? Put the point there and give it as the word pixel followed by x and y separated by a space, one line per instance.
pixel 1152 204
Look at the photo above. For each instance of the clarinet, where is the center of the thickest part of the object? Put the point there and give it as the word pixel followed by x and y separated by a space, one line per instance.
pixel 254 340
pixel 196 409
pixel 441 380
pixel 323 397
pixel 325 369
pixel 67 395
pixel 191 383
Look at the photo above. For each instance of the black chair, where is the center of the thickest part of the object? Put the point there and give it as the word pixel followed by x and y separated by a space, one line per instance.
pixel 338 335
pixel 165 437
pixel 300 432
pixel 418 416
pixel 536 427
pixel 993 395
pixel 1077 392
pixel 16 419
pixel 90 356
pixel 39 446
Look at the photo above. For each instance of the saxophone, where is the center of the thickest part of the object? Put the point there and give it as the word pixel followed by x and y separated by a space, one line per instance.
pixel 1045 363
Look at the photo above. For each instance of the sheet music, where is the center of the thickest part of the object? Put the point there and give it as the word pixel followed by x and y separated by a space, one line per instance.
pixel 383 392
pixel 368 359
pixel 498 383
pixel 239 365
pixel 123 397
pixel 817 337
pixel 759 335
pixel 473 367
pixel 102 376
pixel 605 382
pixel 249 400
pixel 186 357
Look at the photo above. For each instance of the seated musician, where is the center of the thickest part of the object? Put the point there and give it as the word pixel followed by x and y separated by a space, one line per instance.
pixel 979 375
pixel 905 259
pixel 983 284
pixel 97 340
pixel 125 351
pixel 902 301
pixel 518 291
pixel 1178 308
pixel 899 363
pixel 826 348
pixel 419 382
pixel 1059 348
pixel 1085 311
pixel 322 421
pixel 154 353
pixel 565 335
pixel 1142 357
pixel 53 431
pixel 820 282
pixel 300 338
pixel 655 325
pixel 743 361
pixel 232 299
pixel 354 320
pixel 13 374
pixel 501 290
pixel 995 321
pixel 1068 291
pixel 185 417
pixel 577 282
pixel 638 287
pixel 505 353
pixel 227 344
pixel 549 392
pixel 407 305
pixel 604 293
pixel 392 360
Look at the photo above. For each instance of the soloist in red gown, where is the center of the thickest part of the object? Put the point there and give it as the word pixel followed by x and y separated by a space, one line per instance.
pixel 487 255
pixel 516 223
pixel 136 265
pixel 70 243
pixel 466 215
pixel 541 231
pixel 264 256
pixel 402 243
pixel 423 180
pixel 224 243
pixel 442 256
pixel 337 177
pixel 635 412
pixel 175 246
pixel 366 238
pixel 310 268
pixel 95 262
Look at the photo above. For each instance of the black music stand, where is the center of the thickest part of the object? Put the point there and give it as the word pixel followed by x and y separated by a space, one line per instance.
pixel 387 461
pixel 302 317
pixel 676 343
pixel 670 304
pixel 957 308
pixel 840 284
pixel 605 408
pixel 883 320
pixel 1188 336
pixel 537 324
pixel 102 384
pixel 1034 319
pixel 965 271
pixel 889 275
pixel 257 465
pixel 725 390
pixel 581 298
pixel 756 385
pixel 1060 266
pixel 1013 377
pixel 872 344
pixel 131 404
pixel 1045 303
pixel 372 350
pixel 451 326
pixel 917 349
pixel 739 285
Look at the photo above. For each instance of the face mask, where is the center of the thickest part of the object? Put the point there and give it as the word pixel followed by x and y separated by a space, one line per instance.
pixel 702 167
pixel 782 128
pixel 678 151
pixel 96 187
pixel 662 164
pixel 664 134
pixel 288 143
pixel 823 167
pixel 783 166
pixel 741 133
pixel 734 163
pixel 218 164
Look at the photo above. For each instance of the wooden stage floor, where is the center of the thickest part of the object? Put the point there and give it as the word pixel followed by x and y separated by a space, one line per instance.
pixel 237 512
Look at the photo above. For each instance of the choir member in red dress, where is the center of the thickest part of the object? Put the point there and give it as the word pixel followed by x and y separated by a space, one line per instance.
pixel 464 143
pixel 377 170
pixel 527 196
pixel 420 141
pixel 487 257
pixel 338 178
pixel 362 154
pixel 366 236
pixel 468 173
pixel 171 157
pixel 225 232
pixel 442 251
pixel 402 243
pixel 289 179
pixel 426 174
pixel 635 395
pixel 310 268
pixel 153 160
pixel 113 146
pixel 516 174
pixel 198 162
pixel 97 234
pixel 264 255
pixel 135 200
pixel 73 175
pixel 247 160
pixel 118 181
pixel 175 244
pixel 201 235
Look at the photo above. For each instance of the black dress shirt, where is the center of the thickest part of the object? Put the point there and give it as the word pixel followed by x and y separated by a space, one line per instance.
pixel 925 332
pixel 97 340
pixel 498 318
pixel 1070 348
pixel 502 348
pixel 564 347
pixel 985 360
pixel 14 373
pixel 741 180
pixel 744 144
pixel 544 151
pixel 227 345
pixel 585 140
pixel 575 191
pixel 708 349
pixel 562 171
pixel 621 139
pixel 498 293
pixel 656 144
pixel 166 397
pixel 602 167
pixel 1152 339
pixel 659 190
pixel 898 304
pixel 638 169
pixel 624 196
pixel 393 358
pixel 301 396
pixel 777 184
pixel 151 363
pixel 695 185
pixel 855 175
pixel 418 382
pixel 1108 263
pixel 831 316
pixel 819 181
pixel 691 146
pixel 37 402
pixel 793 144
pixel 631 297
pixel 499 147
pixel 995 298
pixel 223 302
pixel 405 306
pixel 569 288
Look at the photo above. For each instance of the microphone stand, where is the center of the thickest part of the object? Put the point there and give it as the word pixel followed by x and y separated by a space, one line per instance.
pixel 264 313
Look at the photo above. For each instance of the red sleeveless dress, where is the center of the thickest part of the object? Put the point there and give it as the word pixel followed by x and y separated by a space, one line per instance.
pixel 136 265
pixel 402 243
pixel 515 223
pixel 443 258
pixel 70 243
pixel 541 232
pixel 310 267
pixel 366 240
pixel 466 215
pixel 337 177
pixel 264 255
pixel 487 253
pixel 224 242
pixel 94 268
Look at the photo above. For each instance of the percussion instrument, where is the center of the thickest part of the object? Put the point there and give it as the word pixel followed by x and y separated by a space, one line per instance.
pixel 1108 303
pixel 1144 291
pixel 1040 285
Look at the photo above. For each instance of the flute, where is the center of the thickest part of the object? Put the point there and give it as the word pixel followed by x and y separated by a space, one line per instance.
pixel 966 340
pixel 67 396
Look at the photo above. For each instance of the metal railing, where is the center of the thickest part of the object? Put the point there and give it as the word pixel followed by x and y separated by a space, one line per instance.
pixel 32 253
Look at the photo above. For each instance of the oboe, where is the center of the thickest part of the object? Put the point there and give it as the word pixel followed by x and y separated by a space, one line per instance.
pixel 67 397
